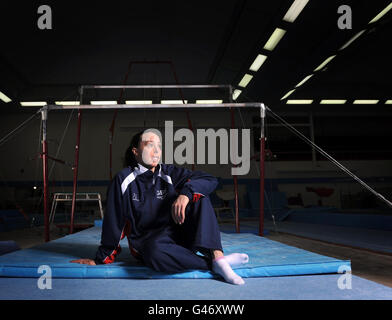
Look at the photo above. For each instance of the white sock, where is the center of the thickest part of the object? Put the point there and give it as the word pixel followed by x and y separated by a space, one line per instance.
pixel 222 267
pixel 237 259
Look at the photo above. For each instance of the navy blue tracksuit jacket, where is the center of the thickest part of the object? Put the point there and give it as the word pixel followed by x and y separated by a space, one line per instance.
pixel 141 200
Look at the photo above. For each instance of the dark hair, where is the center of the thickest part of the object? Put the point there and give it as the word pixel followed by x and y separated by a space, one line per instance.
pixel 130 160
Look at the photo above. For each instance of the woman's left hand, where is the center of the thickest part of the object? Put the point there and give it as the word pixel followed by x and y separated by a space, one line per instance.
pixel 84 261
pixel 178 209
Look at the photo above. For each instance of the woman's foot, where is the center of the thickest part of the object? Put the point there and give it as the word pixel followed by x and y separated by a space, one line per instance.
pixel 222 267
pixel 234 259
pixel 237 259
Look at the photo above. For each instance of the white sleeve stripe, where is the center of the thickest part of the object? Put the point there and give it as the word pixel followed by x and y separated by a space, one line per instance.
pixel 127 181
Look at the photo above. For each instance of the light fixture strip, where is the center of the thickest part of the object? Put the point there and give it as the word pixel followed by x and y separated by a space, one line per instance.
pixel 4 98
pixel 302 101
pixel 361 101
pixel 333 101
pixel 274 39
pixel 287 94
pixel 33 103
pixel 138 102
pixel 103 102
pixel 173 101
pixel 304 80
pixel 381 14
pixel 245 80
pixel 67 103
pixel 352 39
pixel 260 59
pixel 295 9
pixel 209 101
pixel 236 94
pixel 326 61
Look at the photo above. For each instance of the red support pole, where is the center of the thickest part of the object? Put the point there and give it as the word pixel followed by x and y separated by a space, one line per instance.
pixel 262 173
pixel 75 168
pixel 237 218
pixel 261 221
pixel 46 188
pixel 44 114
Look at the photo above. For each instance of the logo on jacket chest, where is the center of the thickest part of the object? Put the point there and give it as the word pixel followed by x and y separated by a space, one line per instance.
pixel 161 194
pixel 135 197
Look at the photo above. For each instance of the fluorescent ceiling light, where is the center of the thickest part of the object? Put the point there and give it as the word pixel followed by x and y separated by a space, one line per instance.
pixel 4 97
pixel 103 102
pixel 173 101
pixel 287 94
pixel 352 39
pixel 378 17
pixel 326 61
pixel 67 103
pixel 295 10
pixel 388 102
pixel 333 101
pixel 258 62
pixel 209 101
pixel 365 101
pixel 236 94
pixel 274 39
pixel 33 103
pixel 245 80
pixel 304 80
pixel 299 101
pixel 138 102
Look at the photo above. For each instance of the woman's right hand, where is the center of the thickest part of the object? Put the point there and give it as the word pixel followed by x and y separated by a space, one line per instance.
pixel 84 261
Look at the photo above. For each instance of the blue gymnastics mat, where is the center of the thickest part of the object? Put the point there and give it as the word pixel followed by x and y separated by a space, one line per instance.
pixel 266 258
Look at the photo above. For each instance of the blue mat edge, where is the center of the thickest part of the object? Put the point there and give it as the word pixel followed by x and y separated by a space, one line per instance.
pixel 111 272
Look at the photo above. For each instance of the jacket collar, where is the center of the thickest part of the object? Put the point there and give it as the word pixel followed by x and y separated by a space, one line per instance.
pixel 142 169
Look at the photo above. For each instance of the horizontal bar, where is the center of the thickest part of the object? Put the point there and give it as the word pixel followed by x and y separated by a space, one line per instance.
pixel 168 86
pixel 77 199
pixel 157 106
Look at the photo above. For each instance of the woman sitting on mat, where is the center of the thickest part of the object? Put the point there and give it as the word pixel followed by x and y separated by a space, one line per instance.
pixel 166 214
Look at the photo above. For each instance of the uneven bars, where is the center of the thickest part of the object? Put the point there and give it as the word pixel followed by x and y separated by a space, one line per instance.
pixel 44 111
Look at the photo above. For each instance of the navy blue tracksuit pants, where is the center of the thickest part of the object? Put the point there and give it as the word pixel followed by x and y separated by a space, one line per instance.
pixel 174 249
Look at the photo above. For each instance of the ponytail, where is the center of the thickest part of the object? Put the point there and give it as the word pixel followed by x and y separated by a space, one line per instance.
pixel 129 158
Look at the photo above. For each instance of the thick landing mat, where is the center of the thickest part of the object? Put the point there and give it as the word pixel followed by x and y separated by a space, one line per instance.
pixel 267 258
